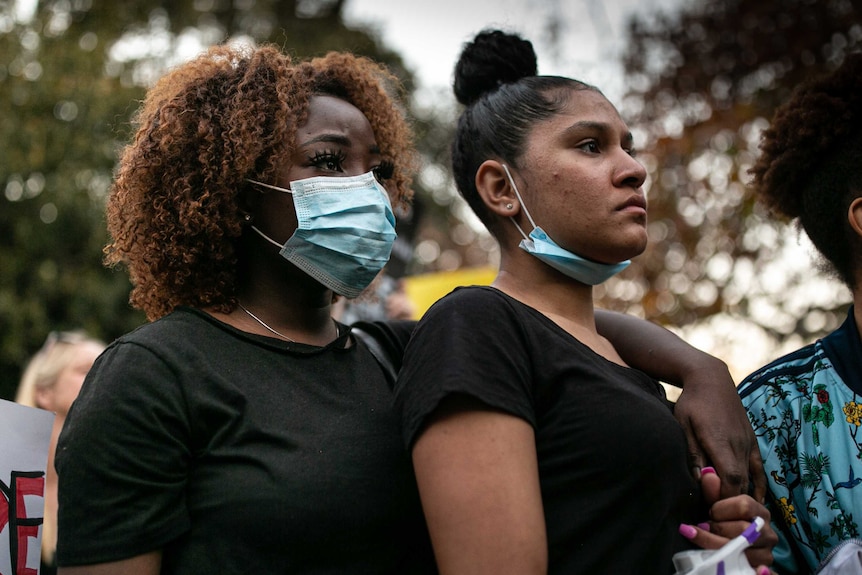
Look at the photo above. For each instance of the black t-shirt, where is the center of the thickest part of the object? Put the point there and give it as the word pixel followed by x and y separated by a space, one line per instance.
pixel 236 453
pixel 612 458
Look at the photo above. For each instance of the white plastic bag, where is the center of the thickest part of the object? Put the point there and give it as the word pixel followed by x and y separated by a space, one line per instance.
pixel 844 559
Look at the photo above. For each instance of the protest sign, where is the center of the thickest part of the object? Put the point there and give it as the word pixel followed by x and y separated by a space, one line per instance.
pixel 25 434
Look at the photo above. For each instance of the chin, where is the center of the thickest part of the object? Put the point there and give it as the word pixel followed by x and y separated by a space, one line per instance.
pixel 631 246
pixel 634 249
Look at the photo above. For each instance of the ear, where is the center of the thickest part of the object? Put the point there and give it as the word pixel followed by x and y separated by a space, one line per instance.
pixel 495 190
pixel 854 215
pixel 248 200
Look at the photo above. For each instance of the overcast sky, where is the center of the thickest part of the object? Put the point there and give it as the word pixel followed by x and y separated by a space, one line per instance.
pixel 429 33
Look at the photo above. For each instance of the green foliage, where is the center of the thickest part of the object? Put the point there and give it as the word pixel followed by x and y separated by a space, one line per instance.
pixel 61 124
pixel 66 95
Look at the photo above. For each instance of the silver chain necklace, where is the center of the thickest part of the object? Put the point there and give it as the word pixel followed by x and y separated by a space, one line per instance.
pixel 279 334
pixel 261 322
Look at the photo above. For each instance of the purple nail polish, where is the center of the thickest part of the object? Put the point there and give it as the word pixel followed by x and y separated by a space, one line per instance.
pixel 707 470
pixel 687 531
pixel 704 526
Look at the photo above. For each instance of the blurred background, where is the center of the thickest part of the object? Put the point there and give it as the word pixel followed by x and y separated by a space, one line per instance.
pixel 696 79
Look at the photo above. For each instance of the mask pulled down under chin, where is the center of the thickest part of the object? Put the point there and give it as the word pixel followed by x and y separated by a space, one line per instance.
pixel 345 231
pixel 540 245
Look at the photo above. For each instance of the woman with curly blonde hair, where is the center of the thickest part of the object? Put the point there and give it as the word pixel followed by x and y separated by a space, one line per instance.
pixel 243 430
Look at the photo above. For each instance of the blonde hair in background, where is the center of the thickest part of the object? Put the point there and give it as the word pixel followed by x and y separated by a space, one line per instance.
pixel 45 366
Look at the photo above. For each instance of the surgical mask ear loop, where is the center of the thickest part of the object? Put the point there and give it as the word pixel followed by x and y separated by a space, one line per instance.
pixel 271 187
pixel 523 205
pixel 266 237
pixel 277 189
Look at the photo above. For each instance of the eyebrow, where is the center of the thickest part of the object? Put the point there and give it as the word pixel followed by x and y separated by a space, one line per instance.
pixel 339 139
pixel 588 125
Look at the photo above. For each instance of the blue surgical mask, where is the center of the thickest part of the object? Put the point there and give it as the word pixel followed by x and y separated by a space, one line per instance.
pixel 539 244
pixel 345 230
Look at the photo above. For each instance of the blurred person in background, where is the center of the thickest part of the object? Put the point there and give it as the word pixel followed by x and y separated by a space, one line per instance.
pixel 51 381
pixel 806 407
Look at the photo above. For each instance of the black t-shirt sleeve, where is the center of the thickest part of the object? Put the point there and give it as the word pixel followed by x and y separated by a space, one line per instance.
pixel 126 439
pixel 470 343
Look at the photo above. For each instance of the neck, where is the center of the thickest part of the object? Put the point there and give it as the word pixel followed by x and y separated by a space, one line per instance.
pixel 280 290
pixel 283 318
pixel 566 302
pixel 543 288
pixel 283 313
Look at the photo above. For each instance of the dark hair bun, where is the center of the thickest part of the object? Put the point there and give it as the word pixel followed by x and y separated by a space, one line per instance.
pixel 493 58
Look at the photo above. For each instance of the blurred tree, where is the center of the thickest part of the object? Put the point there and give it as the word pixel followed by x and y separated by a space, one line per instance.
pixel 702 84
pixel 61 117
pixel 70 77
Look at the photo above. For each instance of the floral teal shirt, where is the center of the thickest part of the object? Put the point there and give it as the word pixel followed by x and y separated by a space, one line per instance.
pixel 806 410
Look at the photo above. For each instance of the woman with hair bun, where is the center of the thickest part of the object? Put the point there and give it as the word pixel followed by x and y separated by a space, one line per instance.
pixel 536 448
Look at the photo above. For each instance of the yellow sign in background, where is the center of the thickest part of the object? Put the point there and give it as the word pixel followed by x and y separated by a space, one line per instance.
pixel 424 289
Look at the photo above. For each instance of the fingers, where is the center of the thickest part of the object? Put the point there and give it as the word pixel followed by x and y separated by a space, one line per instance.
pixel 734 480
pixel 730 456
pixel 729 517
pixel 758 475
pixel 702 537
pixel 719 433
pixel 738 508
pixel 710 485
pixel 696 458
pixel 759 556
pixel 717 534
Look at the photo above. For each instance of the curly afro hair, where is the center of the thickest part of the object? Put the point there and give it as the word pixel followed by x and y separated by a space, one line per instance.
pixel 810 165
pixel 231 113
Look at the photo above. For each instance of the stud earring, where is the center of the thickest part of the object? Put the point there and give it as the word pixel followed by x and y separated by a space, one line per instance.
pixel 247 218
pixel 509 206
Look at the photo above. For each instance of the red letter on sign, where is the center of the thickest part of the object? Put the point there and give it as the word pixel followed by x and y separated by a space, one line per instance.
pixel 13 512
pixel 28 527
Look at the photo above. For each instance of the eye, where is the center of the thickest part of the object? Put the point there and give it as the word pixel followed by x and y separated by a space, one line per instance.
pixel 591 146
pixel 383 171
pixel 328 161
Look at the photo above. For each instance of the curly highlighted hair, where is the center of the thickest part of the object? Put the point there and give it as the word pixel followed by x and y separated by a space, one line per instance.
pixel 810 165
pixel 231 113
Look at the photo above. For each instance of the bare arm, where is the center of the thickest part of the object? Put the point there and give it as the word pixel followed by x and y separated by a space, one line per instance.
pixel 709 409
pixel 479 482
pixel 657 351
pixel 147 564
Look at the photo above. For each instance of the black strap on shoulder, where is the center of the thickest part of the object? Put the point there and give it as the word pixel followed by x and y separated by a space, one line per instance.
pixel 379 354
